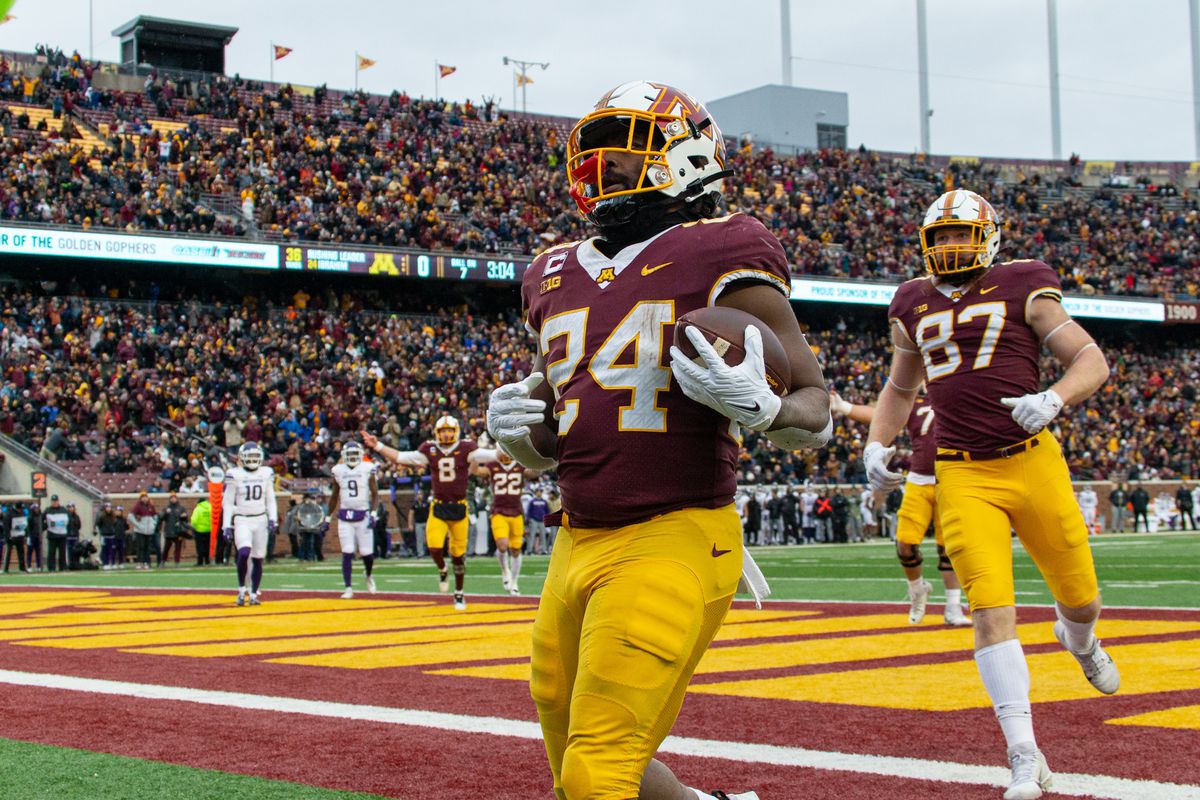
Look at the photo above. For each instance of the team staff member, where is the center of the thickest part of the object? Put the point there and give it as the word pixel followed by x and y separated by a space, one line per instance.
pixel 58 523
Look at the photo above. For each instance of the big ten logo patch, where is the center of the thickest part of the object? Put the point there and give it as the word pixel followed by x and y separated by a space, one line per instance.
pixel 549 284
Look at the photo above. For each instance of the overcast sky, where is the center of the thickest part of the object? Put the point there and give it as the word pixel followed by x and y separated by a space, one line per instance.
pixel 1125 67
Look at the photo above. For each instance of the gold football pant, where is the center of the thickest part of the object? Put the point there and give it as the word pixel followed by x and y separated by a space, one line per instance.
pixel 625 615
pixel 980 502
pixel 918 509
pixel 436 530
pixel 511 528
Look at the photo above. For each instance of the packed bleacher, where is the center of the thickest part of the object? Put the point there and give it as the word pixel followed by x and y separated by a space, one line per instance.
pixel 134 394
pixel 232 157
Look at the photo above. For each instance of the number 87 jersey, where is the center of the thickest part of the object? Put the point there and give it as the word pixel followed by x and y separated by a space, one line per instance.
pixel 631 445
pixel 978 347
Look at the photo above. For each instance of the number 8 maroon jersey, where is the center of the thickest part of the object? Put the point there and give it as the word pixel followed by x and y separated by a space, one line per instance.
pixel 449 469
pixel 631 445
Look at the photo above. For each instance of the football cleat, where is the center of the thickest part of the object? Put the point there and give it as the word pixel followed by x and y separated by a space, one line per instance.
pixel 743 796
pixel 254 601
pixel 514 591
pixel 241 601
pixel 917 600
pixel 1030 775
pixel 443 582
pixel 460 602
pixel 370 585
pixel 348 594
pixel 954 616
pixel 1098 666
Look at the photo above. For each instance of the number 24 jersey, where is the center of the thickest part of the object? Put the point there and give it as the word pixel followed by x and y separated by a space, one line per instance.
pixel 631 445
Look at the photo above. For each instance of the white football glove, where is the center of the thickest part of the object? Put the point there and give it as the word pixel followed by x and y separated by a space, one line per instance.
pixel 753 582
pixel 838 405
pixel 1033 411
pixel 740 393
pixel 511 410
pixel 876 457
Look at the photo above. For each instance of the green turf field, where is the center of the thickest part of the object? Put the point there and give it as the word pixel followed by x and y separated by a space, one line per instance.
pixel 1135 570
pixel 42 772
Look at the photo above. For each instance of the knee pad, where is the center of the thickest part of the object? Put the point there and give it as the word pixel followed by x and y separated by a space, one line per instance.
pixel 909 555
pixel 944 564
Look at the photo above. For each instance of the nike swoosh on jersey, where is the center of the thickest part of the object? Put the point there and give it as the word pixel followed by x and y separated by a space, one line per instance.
pixel 652 270
pixel 988 289
pixel 718 553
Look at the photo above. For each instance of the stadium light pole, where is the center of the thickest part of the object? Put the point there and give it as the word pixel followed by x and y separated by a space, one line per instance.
pixel 785 31
pixel 923 76
pixel 1055 118
pixel 1194 18
pixel 524 66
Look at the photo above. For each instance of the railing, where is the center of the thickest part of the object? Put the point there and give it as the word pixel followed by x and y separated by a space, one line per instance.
pixel 49 466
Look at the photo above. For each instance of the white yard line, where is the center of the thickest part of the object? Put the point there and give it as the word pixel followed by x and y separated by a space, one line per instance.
pixel 774 755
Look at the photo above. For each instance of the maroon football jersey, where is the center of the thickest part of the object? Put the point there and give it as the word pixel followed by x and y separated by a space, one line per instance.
pixel 978 347
pixel 631 445
pixel 507 482
pixel 449 469
pixel 921 434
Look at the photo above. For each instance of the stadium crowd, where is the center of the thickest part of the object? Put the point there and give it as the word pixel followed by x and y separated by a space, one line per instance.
pixel 397 171
pixel 152 386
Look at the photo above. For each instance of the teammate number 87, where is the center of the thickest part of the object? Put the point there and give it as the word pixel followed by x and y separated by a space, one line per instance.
pixel 936 332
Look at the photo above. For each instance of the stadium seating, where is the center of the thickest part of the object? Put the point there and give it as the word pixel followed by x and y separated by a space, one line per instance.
pixel 393 171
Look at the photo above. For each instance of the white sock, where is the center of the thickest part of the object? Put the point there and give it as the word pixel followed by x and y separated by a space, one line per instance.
pixel 1006 678
pixel 953 597
pixel 1080 636
pixel 915 585
pixel 241 591
pixel 502 557
pixel 514 565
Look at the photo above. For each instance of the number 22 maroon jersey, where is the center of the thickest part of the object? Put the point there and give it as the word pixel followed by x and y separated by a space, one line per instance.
pixel 978 347
pixel 631 445
pixel 507 482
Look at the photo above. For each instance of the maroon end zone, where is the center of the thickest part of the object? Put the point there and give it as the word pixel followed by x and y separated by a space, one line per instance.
pixel 416 761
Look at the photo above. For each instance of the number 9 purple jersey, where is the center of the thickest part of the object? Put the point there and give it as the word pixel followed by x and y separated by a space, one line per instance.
pixel 977 347
pixel 631 445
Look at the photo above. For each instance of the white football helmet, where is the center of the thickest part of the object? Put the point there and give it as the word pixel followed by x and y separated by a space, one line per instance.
pixel 962 209
pixel 250 456
pixel 446 430
pixel 352 454
pixel 682 150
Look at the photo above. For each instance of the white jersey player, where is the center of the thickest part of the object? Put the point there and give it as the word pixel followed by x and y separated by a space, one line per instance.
pixel 1088 503
pixel 866 507
pixel 355 498
pixel 249 515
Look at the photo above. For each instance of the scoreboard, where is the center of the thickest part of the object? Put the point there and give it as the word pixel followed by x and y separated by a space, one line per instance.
pixel 405 264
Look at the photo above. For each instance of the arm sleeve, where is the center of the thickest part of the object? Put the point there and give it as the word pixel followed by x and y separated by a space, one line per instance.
pixel 272 507
pixel 228 497
pixel 482 456
pixel 410 458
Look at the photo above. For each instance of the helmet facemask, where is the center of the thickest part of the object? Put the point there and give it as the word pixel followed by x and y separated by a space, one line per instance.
pixel 962 257
pixel 446 431
pixel 250 457
pixel 352 455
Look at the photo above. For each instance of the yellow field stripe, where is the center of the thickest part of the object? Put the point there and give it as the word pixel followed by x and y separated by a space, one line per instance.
pixel 479 648
pixel 953 686
pixel 508 672
pixel 892 645
pixel 264 621
pixel 1183 717
pixel 864 622
pixel 464 632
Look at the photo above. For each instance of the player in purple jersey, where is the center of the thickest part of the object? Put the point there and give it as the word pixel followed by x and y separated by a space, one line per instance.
pixel 644 441
pixel 974 332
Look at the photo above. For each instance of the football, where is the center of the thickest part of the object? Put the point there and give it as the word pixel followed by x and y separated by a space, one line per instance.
pixel 725 329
